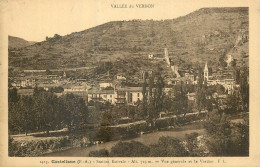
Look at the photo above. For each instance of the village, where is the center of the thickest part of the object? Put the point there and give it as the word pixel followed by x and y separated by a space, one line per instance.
pixel 174 87
pixel 116 91
pixel 188 97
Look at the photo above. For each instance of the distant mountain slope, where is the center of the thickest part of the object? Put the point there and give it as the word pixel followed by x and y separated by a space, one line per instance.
pixel 200 36
pixel 16 43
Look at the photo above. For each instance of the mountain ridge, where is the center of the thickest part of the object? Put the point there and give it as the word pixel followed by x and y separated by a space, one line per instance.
pixel 203 35
pixel 17 42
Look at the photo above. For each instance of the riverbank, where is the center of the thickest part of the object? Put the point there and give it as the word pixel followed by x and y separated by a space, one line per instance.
pixel 147 139
pixel 40 144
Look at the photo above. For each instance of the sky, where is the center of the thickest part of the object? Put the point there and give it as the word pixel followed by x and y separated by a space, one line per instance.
pixel 33 20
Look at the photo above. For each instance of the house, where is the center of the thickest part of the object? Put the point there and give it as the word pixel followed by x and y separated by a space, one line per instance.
pixel 101 95
pixel 25 92
pixel 150 56
pixel 129 95
pixel 81 80
pixel 191 96
pixel 105 84
pixel 120 77
pixel 32 71
pixel 28 83
pixel 75 88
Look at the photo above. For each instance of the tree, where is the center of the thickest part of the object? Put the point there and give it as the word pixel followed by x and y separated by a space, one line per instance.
pixel 194 147
pixel 240 139
pixel 56 36
pixel 180 100
pixel 44 107
pixel 28 114
pixel 104 134
pixel 20 115
pixel 106 118
pixel 168 104
pixel 222 58
pixel 159 94
pixel 99 153
pixel 13 96
pixel 156 96
pixel 151 97
pixel 168 147
pixel 224 138
pixel 201 92
pixel 233 102
pixel 244 90
pixel 144 102
pixel 130 149
pixel 75 112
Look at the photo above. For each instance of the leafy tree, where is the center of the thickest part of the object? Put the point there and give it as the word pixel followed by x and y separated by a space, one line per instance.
pixel 107 118
pixel 104 134
pixel 44 112
pixel 21 116
pixel 130 149
pixel 195 146
pixel 222 58
pixel 158 98
pixel 180 100
pixel 13 96
pixel 91 103
pixel 75 112
pixel 56 89
pixel 244 90
pixel 233 102
pixel 151 107
pixel 44 107
pixel 168 147
pixel 201 92
pixel 224 138
pixel 99 153
pixel 16 117
pixel 144 91
pixel 240 139
pixel 168 104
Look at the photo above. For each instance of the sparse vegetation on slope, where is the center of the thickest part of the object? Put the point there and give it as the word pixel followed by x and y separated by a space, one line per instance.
pixel 204 35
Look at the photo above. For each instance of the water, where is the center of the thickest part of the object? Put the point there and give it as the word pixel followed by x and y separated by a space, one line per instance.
pixel 146 139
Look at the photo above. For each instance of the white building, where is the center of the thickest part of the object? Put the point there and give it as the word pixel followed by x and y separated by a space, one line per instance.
pixel 227 83
pixel 128 95
pixel 120 77
pixel 150 56
pixel 105 84
pixel 206 73
pixel 101 95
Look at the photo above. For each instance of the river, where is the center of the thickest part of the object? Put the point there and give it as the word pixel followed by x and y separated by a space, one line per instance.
pixel 146 139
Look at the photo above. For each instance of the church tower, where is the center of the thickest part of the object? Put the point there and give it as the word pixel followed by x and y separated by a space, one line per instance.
pixel 206 72
pixel 64 74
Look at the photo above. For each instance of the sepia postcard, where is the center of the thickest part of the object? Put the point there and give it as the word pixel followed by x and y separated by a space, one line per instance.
pixel 129 83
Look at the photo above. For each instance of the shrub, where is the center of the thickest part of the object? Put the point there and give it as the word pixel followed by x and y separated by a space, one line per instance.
pixel 130 149
pixel 104 134
pixel 160 124
pixel 168 147
pixel 99 153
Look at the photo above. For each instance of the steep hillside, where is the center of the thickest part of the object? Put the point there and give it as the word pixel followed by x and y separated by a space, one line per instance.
pixel 16 43
pixel 204 35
